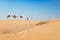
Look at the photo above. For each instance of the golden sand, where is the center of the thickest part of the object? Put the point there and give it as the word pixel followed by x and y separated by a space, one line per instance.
pixel 29 30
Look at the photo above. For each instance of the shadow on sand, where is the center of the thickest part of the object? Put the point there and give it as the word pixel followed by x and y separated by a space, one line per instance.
pixel 41 23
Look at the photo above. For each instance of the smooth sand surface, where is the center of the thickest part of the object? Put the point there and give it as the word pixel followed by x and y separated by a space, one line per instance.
pixel 13 26
pixel 29 30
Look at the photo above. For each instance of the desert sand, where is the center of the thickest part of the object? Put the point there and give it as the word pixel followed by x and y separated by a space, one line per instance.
pixel 30 30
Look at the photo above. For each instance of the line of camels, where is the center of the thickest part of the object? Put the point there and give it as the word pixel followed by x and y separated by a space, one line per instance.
pixel 14 16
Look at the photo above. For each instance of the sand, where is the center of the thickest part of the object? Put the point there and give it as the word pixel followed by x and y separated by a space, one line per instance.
pixel 30 30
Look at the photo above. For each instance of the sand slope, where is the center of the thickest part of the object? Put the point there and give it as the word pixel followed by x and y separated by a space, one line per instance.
pixel 29 30
pixel 13 26
pixel 47 31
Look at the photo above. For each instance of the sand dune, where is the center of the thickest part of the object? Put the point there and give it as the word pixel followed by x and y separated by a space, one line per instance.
pixel 29 30
pixel 12 26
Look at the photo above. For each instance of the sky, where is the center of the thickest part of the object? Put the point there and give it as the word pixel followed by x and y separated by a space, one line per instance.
pixel 34 9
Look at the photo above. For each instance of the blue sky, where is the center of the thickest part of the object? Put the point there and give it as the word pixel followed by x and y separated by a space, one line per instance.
pixel 34 9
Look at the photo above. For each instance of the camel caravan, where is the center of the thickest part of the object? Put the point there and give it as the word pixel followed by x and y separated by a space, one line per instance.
pixel 14 17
